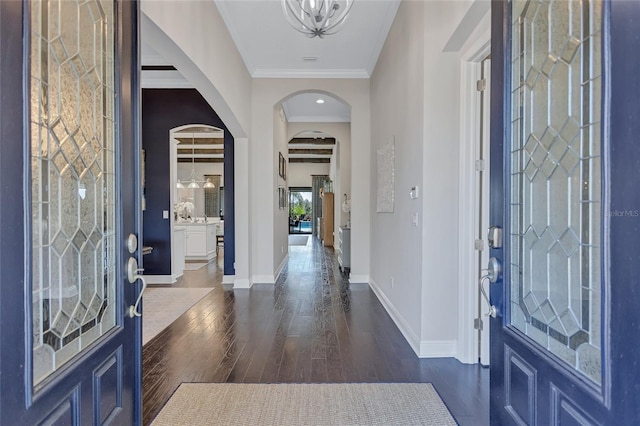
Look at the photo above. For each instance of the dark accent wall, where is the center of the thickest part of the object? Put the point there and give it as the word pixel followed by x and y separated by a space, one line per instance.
pixel 163 110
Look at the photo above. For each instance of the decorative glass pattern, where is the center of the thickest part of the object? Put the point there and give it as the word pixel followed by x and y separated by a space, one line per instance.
pixel 72 178
pixel 556 178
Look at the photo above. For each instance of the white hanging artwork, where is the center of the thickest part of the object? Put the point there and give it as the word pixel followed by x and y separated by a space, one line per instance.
pixel 386 172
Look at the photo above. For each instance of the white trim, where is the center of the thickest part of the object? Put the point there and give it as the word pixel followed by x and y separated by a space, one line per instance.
pixel 318 119
pixel 438 349
pixel 412 338
pixel 242 283
pixel 466 350
pixel 383 32
pixel 263 279
pixel 233 31
pixel 228 279
pixel 309 73
pixel 165 83
pixel 358 279
pixel 422 348
pixel 160 279
pixel 467 287
pixel 279 270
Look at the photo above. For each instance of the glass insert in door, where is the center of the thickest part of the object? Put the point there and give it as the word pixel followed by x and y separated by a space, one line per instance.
pixel 555 231
pixel 72 125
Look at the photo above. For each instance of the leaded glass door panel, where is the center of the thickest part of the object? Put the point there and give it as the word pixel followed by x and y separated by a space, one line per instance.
pixel 558 296
pixel 70 353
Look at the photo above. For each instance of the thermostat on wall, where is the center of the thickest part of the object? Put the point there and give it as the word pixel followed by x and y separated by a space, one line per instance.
pixel 415 192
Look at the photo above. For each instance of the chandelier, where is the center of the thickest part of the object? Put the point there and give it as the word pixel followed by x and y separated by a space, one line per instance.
pixel 316 18
pixel 193 183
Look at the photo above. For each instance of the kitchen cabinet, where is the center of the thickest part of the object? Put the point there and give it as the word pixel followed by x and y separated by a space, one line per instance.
pixel 344 247
pixel 327 219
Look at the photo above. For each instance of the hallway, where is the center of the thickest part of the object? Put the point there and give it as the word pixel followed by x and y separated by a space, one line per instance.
pixel 311 327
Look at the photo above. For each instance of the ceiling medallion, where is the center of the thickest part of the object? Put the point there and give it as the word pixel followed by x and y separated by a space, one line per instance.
pixel 316 18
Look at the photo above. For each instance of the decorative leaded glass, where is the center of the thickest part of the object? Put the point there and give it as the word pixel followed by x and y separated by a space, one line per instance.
pixel 72 178
pixel 556 178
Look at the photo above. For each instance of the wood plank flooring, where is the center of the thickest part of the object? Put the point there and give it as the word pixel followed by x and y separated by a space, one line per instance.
pixel 310 327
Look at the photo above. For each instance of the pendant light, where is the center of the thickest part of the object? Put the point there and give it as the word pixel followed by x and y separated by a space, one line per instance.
pixel 208 184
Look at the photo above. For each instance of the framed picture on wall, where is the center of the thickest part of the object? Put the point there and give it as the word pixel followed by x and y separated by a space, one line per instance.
pixel 284 168
pixel 280 165
pixel 281 197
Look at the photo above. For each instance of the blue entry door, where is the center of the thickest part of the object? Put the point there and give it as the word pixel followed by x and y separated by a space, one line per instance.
pixel 565 200
pixel 69 171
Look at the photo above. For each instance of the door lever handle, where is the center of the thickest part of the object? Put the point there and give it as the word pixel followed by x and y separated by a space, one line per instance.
pixel 492 309
pixel 133 275
pixel 493 271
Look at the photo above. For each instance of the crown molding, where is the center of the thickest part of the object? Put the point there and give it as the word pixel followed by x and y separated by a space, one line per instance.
pixel 308 73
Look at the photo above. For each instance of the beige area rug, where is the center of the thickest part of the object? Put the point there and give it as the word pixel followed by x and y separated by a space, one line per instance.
pixel 298 240
pixel 305 404
pixel 162 306
pixel 194 266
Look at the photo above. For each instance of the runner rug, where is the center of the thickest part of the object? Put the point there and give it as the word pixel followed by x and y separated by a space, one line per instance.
pixel 305 404
pixel 162 306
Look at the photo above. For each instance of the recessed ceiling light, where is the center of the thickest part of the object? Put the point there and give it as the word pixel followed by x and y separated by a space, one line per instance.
pixel 320 101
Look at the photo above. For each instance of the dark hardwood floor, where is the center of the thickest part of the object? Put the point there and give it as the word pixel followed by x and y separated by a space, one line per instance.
pixel 310 327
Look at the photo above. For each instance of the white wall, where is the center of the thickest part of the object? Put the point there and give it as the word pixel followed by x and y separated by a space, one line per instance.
pixel 299 174
pixel 185 33
pixel 270 92
pixel 281 216
pixel 415 101
pixel 397 114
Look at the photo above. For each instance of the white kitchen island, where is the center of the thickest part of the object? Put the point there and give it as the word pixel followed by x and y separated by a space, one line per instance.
pixel 200 239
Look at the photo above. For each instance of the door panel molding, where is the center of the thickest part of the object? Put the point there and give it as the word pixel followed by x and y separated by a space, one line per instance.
pixel 73 382
pixel 564 409
pixel 515 366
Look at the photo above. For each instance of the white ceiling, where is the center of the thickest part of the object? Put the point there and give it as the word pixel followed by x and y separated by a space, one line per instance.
pixel 303 108
pixel 270 48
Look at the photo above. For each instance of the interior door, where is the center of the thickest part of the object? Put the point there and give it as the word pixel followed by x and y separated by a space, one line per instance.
pixel 565 117
pixel 69 166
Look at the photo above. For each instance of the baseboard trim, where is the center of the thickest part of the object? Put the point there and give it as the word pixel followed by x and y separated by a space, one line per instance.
pixel 263 279
pixel 228 279
pixel 438 349
pixel 422 348
pixel 160 279
pixel 241 283
pixel 411 337
pixel 281 267
pixel 359 279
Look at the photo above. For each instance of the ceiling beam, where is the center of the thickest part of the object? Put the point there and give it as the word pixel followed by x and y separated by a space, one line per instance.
pixel 200 151
pixel 309 160
pixel 313 141
pixel 201 160
pixel 293 151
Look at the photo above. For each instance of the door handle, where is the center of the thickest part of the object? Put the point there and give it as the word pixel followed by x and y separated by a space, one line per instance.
pixel 133 275
pixel 493 271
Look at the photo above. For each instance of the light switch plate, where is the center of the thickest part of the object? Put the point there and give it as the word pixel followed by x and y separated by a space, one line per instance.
pixel 165 214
